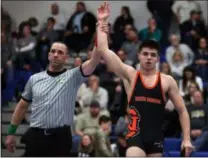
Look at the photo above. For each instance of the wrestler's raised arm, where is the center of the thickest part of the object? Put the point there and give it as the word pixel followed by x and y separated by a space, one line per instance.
pixel 125 72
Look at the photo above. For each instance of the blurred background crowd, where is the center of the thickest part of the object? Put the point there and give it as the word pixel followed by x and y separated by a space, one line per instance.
pixel 101 101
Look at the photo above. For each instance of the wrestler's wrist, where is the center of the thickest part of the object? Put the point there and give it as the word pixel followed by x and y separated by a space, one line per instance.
pixel 12 129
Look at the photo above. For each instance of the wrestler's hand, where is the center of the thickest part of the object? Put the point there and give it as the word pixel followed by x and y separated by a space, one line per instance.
pixel 188 147
pixel 103 11
pixel 10 143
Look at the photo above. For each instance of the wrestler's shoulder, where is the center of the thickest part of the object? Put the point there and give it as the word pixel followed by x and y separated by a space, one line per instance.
pixel 167 78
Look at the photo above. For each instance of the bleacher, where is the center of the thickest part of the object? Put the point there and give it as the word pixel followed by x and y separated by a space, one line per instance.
pixel 171 145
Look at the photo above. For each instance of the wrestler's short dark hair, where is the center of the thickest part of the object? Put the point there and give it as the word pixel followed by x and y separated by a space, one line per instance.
pixel 152 44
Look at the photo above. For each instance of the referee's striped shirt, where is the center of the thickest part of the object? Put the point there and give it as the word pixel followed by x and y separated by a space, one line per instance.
pixel 53 97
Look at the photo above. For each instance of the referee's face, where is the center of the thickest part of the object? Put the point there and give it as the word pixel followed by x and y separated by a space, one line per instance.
pixel 58 55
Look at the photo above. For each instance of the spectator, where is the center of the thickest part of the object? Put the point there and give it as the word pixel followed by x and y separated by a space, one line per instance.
pixel 151 32
pixel 192 29
pixel 131 45
pixel 177 65
pixel 77 62
pixel 102 140
pixel 7 53
pixel 182 9
pixel 165 68
pixel 95 92
pixel 80 27
pixel 184 49
pixel 201 143
pixel 123 56
pixel 88 122
pixel 33 21
pixel 59 16
pixel 121 37
pixel 6 22
pixel 120 130
pixel 198 117
pixel 201 59
pixel 193 87
pixel 25 47
pixel 189 76
pixel 162 12
pixel 86 147
pixel 45 38
pixel 122 20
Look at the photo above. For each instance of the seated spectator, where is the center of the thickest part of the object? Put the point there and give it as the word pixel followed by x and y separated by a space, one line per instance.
pixel 182 9
pixel 86 147
pixel 192 30
pixel 165 68
pixel 95 92
pixel 124 18
pixel 45 38
pixel 189 76
pixel 193 87
pixel 7 53
pixel 88 122
pixel 6 21
pixel 25 48
pixel 59 16
pixel 201 59
pixel 123 56
pixel 177 65
pixel 184 49
pixel 120 131
pixel 77 62
pixel 80 27
pixel 33 21
pixel 198 117
pixel 131 45
pixel 151 31
pixel 101 137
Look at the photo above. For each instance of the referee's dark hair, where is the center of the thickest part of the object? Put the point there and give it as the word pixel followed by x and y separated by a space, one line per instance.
pixel 104 119
pixel 152 44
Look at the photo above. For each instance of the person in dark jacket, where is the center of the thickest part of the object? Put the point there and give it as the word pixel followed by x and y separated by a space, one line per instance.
pixel 80 27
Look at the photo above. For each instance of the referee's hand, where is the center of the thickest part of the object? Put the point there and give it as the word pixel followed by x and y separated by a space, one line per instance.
pixel 10 143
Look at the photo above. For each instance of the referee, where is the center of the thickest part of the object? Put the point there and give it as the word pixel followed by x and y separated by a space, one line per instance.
pixel 52 96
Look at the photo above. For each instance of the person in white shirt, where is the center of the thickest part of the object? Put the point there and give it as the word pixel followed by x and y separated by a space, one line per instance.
pixel 184 49
pixel 177 64
pixel 60 19
pixel 93 91
pixel 182 9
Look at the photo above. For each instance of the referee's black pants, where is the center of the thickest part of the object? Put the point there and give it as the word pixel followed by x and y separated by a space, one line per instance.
pixel 56 142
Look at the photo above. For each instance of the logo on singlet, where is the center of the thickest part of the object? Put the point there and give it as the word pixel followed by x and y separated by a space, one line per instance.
pixel 133 125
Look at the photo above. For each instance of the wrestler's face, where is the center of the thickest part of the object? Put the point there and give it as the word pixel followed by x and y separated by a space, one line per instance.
pixel 148 58
pixel 58 55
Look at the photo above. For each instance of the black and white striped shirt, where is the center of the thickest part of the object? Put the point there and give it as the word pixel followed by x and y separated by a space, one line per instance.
pixel 53 97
